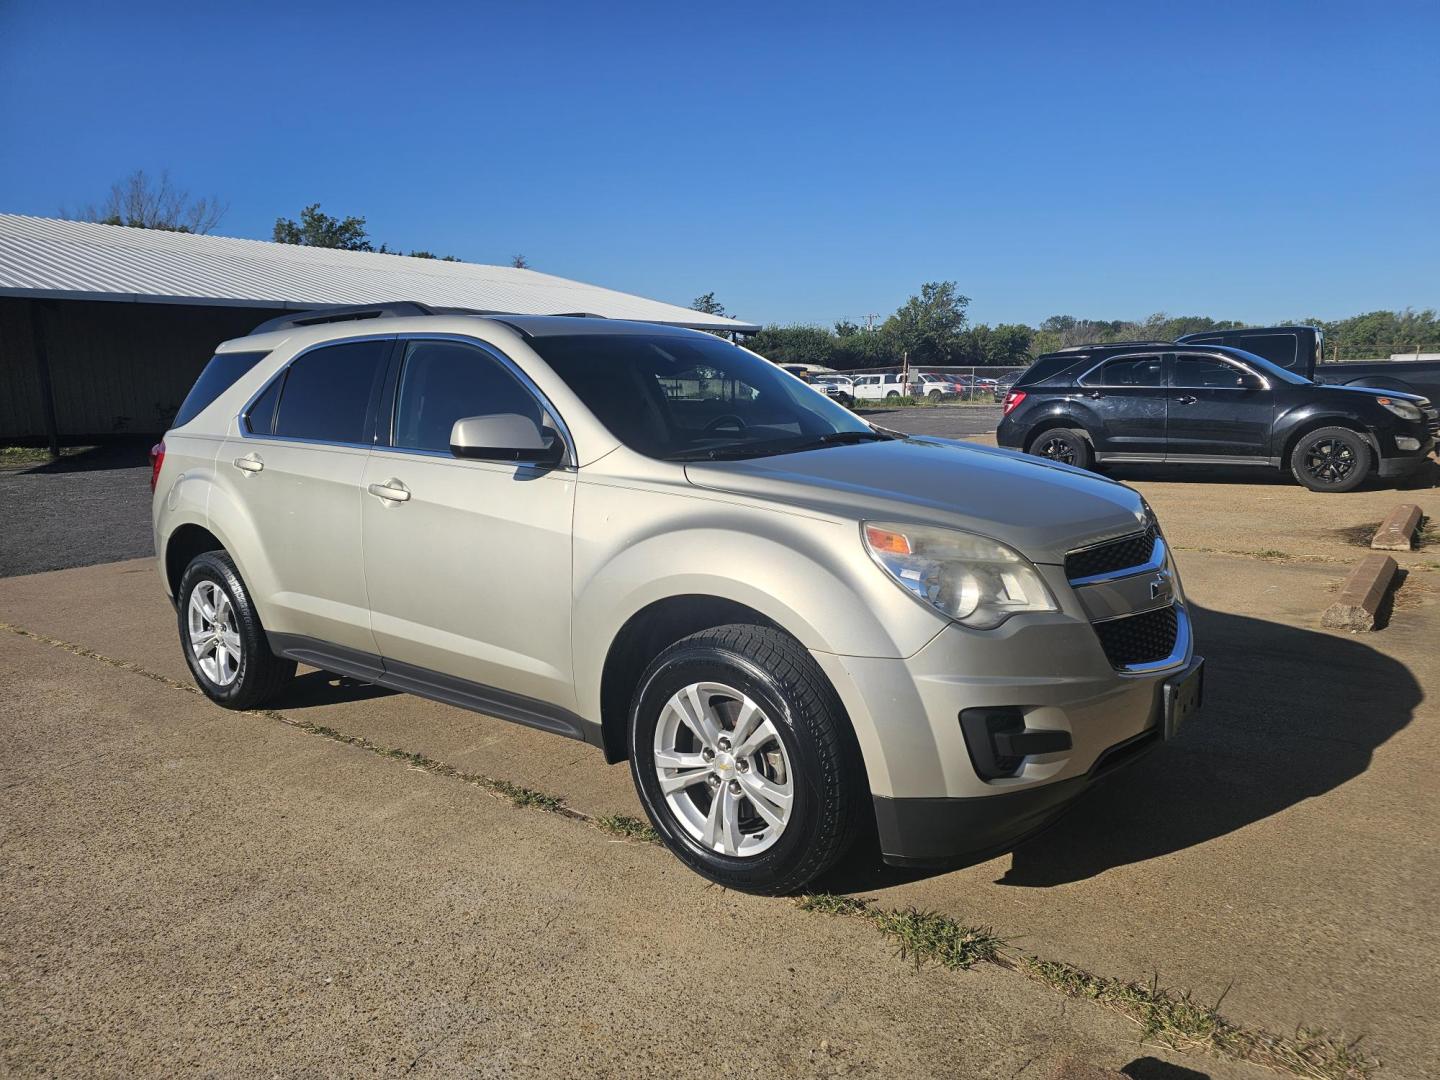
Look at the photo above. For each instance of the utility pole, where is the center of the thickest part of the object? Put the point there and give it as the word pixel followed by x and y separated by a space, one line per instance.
pixel 870 320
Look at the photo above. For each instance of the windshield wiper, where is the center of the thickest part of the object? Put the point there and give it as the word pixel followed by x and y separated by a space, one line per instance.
pixel 737 451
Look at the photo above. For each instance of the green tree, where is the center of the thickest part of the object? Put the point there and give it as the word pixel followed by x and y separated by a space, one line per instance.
pixel 929 326
pixel 708 304
pixel 793 344
pixel 318 229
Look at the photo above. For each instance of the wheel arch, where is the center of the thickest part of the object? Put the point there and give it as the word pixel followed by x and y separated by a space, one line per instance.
pixel 1305 426
pixel 644 636
pixel 181 547
pixel 1057 420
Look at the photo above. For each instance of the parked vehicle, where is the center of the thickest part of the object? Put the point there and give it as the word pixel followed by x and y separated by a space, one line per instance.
pixel 1301 349
pixel 879 387
pixel 836 387
pixel 933 387
pixel 785 618
pixel 1153 401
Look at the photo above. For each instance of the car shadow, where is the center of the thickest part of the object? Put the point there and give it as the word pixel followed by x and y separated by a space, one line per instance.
pixel 1289 715
pixel 314 688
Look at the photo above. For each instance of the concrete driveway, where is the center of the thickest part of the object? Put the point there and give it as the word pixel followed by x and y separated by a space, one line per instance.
pixel 181 883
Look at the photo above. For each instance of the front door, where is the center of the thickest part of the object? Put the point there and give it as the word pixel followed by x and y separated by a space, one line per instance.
pixel 1217 409
pixel 1124 399
pixel 467 562
pixel 296 466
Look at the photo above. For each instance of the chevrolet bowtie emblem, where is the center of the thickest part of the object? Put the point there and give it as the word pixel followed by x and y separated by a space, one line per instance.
pixel 1160 585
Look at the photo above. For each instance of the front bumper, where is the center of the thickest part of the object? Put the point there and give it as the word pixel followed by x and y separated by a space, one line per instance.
pixel 933 799
pixel 1403 463
pixel 940 832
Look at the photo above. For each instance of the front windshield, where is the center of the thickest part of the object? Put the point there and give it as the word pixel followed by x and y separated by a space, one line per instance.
pixel 696 396
pixel 1261 366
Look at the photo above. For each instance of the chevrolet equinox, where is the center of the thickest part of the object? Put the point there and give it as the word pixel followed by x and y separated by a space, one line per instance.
pixel 656 542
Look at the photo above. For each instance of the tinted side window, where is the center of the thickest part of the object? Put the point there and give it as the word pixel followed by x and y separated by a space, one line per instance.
pixel 1201 372
pixel 1130 371
pixel 260 417
pixel 444 381
pixel 327 392
pixel 1277 348
pixel 219 375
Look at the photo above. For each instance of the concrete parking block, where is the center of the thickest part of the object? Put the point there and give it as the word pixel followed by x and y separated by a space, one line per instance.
pixel 1362 594
pixel 1397 531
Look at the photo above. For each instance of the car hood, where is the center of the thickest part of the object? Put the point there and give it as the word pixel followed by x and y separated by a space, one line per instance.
pixel 1374 391
pixel 1040 508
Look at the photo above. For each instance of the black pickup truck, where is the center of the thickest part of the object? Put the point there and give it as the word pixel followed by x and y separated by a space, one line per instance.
pixel 1301 349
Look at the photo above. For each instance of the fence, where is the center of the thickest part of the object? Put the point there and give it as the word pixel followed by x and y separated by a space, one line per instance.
pixel 979 385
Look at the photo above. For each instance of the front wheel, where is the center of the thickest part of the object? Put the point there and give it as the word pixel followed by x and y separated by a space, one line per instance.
pixel 935 396
pixel 1331 459
pixel 1065 445
pixel 744 761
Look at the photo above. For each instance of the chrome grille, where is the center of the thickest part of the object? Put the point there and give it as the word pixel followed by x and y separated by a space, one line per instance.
pixel 1111 556
pixel 1139 639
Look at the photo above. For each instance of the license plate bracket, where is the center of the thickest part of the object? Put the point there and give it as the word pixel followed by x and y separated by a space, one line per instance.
pixel 1183 696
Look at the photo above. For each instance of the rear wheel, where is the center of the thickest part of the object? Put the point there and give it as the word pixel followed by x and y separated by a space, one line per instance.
pixel 1331 459
pixel 224 643
pixel 1065 445
pixel 893 394
pixel 743 759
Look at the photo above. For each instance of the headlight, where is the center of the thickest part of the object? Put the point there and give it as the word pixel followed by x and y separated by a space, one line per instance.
pixel 971 579
pixel 1403 409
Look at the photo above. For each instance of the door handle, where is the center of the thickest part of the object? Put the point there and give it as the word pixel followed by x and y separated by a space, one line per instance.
pixel 1095 395
pixel 1187 399
pixel 250 463
pixel 391 491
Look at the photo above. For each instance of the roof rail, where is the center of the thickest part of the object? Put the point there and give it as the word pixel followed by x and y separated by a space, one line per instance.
pixel 1110 345
pixel 397 309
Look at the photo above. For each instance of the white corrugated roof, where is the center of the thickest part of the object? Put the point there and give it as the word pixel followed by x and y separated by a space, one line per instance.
pixel 49 257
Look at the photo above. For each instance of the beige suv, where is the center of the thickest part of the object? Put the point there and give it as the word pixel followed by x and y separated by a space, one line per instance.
pixel 648 539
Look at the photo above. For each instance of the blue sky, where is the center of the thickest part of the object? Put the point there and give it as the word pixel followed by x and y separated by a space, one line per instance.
pixel 805 162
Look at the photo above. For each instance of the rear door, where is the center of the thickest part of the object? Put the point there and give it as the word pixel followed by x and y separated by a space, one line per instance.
pixel 1217 409
pixel 467 562
pixel 1125 396
pixel 296 467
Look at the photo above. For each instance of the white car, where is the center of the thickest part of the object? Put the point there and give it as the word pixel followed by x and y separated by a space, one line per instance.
pixel 934 387
pixel 878 387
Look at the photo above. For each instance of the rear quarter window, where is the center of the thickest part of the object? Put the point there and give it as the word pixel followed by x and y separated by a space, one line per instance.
pixel 221 373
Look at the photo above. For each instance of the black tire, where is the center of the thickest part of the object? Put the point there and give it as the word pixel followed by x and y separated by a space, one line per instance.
pixel 893 394
pixel 828 778
pixel 1332 459
pixel 935 396
pixel 1065 445
pixel 260 674
pixel 847 401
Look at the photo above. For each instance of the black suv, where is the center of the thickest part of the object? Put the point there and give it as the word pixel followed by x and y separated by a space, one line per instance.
pixel 1156 401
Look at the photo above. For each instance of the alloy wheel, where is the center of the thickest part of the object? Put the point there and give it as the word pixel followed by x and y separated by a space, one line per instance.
pixel 1329 460
pixel 723 769
pixel 1061 450
pixel 214 637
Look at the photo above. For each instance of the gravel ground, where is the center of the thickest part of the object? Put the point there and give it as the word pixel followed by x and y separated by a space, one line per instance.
pixel 87 509
pixel 951 421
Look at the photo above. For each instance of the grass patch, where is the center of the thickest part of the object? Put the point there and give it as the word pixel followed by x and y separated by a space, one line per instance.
pixel 925 937
pixel 628 828
pixel 1165 1016
pixel 18 457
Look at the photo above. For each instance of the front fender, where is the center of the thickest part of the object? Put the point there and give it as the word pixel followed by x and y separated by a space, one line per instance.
pixel 809 576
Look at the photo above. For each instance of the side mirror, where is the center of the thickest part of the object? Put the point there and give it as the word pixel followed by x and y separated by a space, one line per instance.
pixel 506 437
